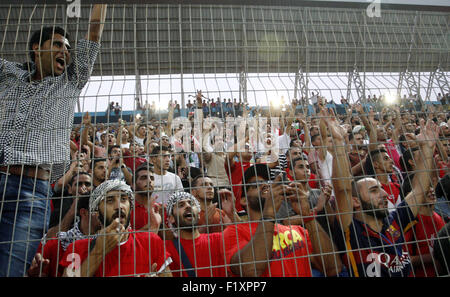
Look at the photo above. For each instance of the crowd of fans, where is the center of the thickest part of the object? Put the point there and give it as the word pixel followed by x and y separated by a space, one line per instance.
pixel 212 202
pixel 293 190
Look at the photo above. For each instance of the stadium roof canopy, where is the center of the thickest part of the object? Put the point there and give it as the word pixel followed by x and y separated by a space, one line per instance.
pixel 266 36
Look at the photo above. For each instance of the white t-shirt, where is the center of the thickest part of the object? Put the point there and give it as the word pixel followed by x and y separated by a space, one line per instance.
pixel 99 135
pixel 165 185
pixel 326 171
pixel 283 142
pixel 140 141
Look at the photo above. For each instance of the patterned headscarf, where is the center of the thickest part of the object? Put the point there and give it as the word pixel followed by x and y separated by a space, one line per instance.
pixel 66 238
pixel 177 196
pixel 107 186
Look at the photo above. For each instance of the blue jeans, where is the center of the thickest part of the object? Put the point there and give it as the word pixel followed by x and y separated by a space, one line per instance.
pixel 24 219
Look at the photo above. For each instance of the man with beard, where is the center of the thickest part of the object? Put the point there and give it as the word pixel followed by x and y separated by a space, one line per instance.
pixel 117 250
pixel 261 247
pixel 145 215
pixel 373 238
pixel 380 166
pixel 193 253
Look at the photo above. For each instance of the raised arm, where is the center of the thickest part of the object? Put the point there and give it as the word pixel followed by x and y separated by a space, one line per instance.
pixel 422 179
pixel 84 140
pixel 290 118
pixel 168 127
pixel 253 257
pixel 325 259
pixel 97 22
pixel 323 134
pixel 397 126
pixel 307 145
pixel 341 176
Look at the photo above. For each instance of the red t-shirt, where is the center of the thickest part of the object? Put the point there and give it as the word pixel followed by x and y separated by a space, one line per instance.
pixel 132 162
pixel 422 243
pixel 290 249
pixel 53 251
pixel 135 256
pixel 443 168
pixel 204 253
pixel 235 174
pixel 392 152
pixel 139 216
pixel 313 181
pixel 393 191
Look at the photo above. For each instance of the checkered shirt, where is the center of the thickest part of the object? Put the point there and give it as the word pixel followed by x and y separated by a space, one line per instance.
pixel 36 117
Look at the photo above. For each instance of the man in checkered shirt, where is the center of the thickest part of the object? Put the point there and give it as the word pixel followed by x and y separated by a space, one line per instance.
pixel 37 102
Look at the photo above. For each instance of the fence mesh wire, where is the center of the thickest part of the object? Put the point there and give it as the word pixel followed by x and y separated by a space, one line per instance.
pixel 313 141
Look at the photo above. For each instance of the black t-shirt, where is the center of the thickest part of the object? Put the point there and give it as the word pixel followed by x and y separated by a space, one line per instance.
pixel 406 185
pixel 61 205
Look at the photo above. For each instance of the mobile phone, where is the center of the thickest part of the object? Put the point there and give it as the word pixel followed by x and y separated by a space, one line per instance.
pixel 284 178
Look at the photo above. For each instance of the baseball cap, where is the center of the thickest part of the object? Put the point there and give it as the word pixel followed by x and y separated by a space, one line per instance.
pixel 261 170
pixel 358 128
pixel 443 124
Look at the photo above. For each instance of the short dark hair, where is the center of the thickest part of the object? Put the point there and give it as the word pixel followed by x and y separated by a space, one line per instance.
pixel 369 170
pixel 291 144
pixel 404 159
pixel 157 149
pixel 351 135
pixel 301 158
pixel 112 147
pixel 144 166
pixel 97 161
pixel 195 179
pixel 77 174
pixel 42 35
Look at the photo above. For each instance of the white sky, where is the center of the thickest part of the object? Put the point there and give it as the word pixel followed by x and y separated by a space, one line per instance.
pixel 261 88
pixel 407 2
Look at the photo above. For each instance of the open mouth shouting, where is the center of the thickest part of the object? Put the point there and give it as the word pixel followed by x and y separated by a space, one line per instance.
pixel 188 215
pixel 60 64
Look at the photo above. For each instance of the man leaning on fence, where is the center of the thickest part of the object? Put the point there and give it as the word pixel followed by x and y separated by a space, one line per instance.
pixel 37 105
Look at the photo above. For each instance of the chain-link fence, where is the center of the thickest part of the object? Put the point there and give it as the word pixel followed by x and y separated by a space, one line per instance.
pixel 224 140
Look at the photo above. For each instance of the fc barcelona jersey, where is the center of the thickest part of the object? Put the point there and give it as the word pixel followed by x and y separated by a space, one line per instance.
pixel 369 253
